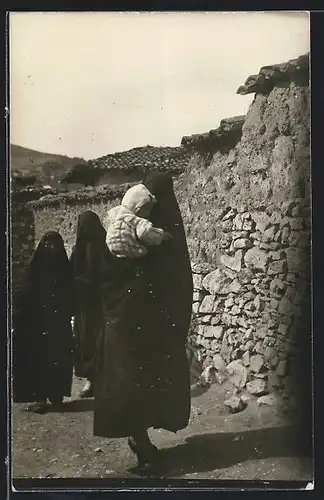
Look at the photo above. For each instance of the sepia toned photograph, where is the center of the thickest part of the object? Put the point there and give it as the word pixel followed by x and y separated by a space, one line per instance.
pixel 160 247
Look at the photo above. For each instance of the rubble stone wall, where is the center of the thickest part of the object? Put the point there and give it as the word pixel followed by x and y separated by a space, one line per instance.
pixel 247 217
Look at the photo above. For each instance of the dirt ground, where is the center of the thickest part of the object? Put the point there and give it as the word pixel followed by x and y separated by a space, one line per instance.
pixel 255 444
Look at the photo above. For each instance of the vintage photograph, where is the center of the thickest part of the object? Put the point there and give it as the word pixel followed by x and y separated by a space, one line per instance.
pixel 160 236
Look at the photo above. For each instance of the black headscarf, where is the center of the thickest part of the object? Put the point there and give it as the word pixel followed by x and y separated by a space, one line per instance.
pixel 90 241
pixel 48 264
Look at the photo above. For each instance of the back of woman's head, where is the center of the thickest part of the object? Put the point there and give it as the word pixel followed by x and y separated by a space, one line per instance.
pixel 50 255
pixel 159 183
pixel 89 227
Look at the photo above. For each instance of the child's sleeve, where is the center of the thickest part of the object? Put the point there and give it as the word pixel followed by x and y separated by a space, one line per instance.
pixel 146 232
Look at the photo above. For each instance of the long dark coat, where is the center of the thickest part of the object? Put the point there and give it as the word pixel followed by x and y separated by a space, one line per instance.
pixel 142 376
pixel 85 260
pixel 42 334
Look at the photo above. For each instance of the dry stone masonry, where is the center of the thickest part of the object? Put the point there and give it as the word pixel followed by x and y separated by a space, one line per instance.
pixel 247 214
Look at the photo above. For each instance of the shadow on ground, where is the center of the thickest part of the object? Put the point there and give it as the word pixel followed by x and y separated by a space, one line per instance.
pixel 76 406
pixel 209 452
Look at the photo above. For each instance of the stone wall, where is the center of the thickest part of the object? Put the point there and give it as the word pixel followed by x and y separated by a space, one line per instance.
pixel 247 217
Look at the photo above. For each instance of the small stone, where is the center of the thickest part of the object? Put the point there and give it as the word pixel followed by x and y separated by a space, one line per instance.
pixel 207 305
pixel 230 214
pixel 285 306
pixel 269 353
pixel 197 282
pixel 258 303
pixel 277 267
pixel 237 373
pixel 195 307
pixel 216 320
pixel 281 370
pixel 297 224
pixel 268 400
pixel 277 286
pixel 282 328
pixel 235 310
pixel 293 238
pixel 274 303
pixel 216 282
pixel 295 258
pixel 261 219
pixel 234 263
pixel 257 387
pixel 269 234
pixel 197 296
pixel 245 398
pixel 235 404
pixel 235 286
pixel 248 225
pixel 273 381
pixel 206 319
pixel 285 235
pixel 238 222
pixel 219 363
pixel 246 358
pixel 98 450
pixel 261 333
pixel 256 363
pixel 256 258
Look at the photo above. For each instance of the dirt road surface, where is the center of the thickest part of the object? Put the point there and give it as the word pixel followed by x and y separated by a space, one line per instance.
pixel 255 444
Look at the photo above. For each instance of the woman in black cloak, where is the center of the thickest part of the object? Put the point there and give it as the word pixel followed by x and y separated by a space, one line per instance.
pixel 143 378
pixel 85 260
pixel 42 333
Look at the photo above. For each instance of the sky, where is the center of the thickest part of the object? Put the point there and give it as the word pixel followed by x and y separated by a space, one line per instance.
pixel 86 84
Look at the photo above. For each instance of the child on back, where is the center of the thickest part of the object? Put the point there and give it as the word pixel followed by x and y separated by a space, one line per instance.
pixel 128 230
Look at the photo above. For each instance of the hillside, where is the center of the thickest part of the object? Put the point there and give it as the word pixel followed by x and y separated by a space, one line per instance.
pixel 47 167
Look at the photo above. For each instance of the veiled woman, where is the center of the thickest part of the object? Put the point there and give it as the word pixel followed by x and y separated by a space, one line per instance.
pixel 143 375
pixel 42 334
pixel 85 260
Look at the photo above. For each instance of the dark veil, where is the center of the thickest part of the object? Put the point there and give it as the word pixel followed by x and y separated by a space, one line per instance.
pixel 169 271
pixel 45 264
pixel 90 240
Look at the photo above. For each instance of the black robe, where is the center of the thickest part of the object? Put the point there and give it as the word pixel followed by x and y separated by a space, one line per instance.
pixel 42 334
pixel 85 260
pixel 142 378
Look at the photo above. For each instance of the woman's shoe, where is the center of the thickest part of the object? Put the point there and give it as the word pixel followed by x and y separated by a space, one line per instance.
pixel 37 407
pixel 146 455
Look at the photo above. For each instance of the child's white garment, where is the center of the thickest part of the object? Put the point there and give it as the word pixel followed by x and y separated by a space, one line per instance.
pixel 127 233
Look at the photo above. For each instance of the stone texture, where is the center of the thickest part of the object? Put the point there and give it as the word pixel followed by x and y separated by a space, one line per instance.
pixel 256 258
pixel 235 404
pixel 234 263
pixel 256 363
pixel 237 373
pixel 257 387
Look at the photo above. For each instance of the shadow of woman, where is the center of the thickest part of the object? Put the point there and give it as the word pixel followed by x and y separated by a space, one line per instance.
pixel 75 406
pixel 208 452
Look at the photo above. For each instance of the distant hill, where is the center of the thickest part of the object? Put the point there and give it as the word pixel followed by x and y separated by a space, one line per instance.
pixel 47 167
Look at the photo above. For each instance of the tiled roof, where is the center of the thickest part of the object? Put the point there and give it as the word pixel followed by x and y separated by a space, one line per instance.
pixel 145 159
pixel 227 134
pixel 274 74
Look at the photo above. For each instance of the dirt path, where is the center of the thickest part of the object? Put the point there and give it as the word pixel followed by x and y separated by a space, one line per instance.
pixel 254 444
